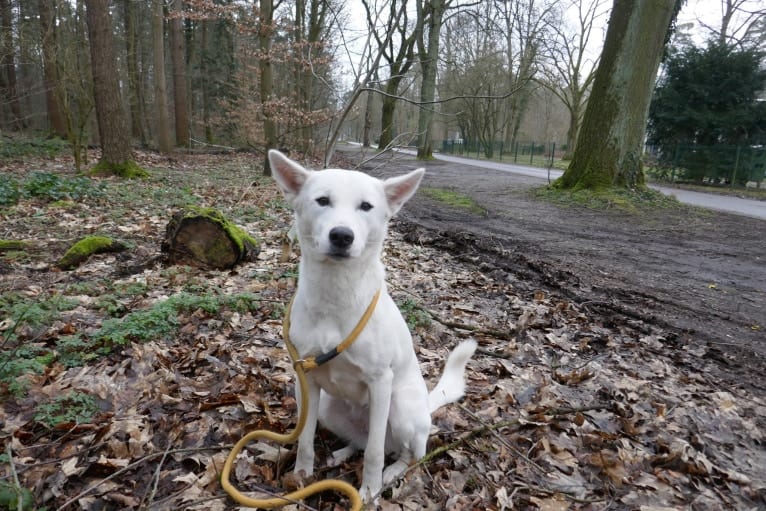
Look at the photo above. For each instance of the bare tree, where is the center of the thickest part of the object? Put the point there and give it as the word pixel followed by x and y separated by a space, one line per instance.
pixel 569 71
pixel 476 72
pixel 8 63
pixel 178 56
pixel 399 54
pixel 160 84
pixel 50 73
pixel 364 71
pixel 742 22
pixel 429 24
pixel 525 24
pixel 116 152
pixel 74 84
pixel 265 32
pixel 135 89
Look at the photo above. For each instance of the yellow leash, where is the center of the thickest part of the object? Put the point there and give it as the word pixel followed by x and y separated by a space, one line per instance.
pixel 301 366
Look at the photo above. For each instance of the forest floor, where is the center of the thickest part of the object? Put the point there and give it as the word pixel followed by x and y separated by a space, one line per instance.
pixel 620 364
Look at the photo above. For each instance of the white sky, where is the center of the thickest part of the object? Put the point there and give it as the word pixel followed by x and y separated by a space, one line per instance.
pixel 694 12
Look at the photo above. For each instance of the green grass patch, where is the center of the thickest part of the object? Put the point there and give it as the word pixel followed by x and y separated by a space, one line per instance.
pixel 77 407
pixel 414 315
pixel 27 346
pixel 453 199
pixel 21 146
pixel 633 202
pixel 48 187
pixel 157 323
pixel 25 321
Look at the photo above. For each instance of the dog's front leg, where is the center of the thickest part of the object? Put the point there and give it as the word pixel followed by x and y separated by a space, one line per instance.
pixel 305 458
pixel 374 454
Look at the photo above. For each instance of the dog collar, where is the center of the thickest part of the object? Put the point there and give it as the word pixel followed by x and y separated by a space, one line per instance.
pixel 313 362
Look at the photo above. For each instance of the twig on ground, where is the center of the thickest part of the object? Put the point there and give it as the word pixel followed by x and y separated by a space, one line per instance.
pixel 149 495
pixel 15 477
pixel 133 465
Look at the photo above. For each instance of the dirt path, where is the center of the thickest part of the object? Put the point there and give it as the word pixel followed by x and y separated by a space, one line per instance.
pixel 699 275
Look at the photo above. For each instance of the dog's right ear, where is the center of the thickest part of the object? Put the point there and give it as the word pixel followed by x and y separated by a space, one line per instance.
pixel 288 174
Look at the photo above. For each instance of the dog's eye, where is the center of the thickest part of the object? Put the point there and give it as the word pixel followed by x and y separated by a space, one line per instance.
pixel 323 201
pixel 365 206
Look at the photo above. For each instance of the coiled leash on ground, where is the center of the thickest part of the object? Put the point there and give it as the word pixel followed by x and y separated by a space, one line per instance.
pixel 301 366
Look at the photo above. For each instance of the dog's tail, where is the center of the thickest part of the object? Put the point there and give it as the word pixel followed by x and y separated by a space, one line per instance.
pixel 451 386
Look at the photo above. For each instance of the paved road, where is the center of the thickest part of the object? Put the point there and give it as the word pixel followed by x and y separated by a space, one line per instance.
pixel 727 203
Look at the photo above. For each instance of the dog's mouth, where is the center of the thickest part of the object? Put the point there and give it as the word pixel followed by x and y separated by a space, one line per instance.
pixel 338 254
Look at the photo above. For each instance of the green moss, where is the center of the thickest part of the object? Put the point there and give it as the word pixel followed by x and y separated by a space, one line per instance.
pixel 12 245
pixel 638 201
pixel 86 247
pixel 454 199
pixel 236 233
pixel 63 204
pixel 128 170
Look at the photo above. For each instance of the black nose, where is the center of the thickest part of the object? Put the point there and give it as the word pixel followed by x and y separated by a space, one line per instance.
pixel 341 237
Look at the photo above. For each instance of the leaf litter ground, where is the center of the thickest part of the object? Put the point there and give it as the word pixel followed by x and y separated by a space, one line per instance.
pixel 565 408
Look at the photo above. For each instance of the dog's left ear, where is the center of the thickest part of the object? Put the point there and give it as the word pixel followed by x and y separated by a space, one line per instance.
pixel 400 189
pixel 288 174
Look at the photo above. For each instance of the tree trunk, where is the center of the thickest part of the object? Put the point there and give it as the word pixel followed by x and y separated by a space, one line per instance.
pixel 610 143
pixel 8 63
pixel 267 85
pixel 160 85
pixel 205 79
pixel 572 130
pixel 367 121
pixel 112 123
pixel 180 96
pixel 429 54
pixel 134 81
pixel 387 115
pixel 50 74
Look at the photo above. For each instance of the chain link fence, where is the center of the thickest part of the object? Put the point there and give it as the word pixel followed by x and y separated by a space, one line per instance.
pixel 735 166
pixel 529 153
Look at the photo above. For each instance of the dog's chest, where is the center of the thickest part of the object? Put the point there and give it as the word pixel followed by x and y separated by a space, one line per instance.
pixel 343 380
pixel 346 376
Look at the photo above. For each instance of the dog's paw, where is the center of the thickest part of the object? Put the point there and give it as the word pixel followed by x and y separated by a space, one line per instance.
pixel 394 471
pixel 304 462
pixel 370 492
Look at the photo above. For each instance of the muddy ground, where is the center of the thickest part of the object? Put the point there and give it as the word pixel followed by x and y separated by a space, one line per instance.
pixel 699 275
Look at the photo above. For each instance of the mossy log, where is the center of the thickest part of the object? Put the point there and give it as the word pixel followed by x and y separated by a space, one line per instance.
pixel 203 237
pixel 86 247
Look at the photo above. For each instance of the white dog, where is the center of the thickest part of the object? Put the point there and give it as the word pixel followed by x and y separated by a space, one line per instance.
pixel 373 394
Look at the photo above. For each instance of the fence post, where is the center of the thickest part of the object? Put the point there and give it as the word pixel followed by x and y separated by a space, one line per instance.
pixel 553 153
pixel 736 164
pixel 531 153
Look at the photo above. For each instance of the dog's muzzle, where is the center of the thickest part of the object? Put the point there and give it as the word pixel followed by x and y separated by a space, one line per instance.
pixel 341 239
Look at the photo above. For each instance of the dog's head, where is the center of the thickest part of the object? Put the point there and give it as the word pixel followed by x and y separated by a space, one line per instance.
pixel 340 214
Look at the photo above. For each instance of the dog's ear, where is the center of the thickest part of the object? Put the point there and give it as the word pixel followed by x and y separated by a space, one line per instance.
pixel 288 174
pixel 400 189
